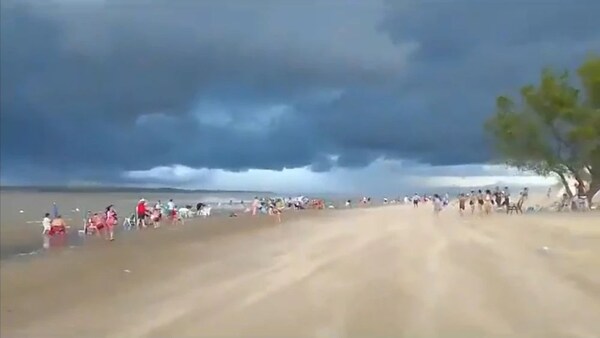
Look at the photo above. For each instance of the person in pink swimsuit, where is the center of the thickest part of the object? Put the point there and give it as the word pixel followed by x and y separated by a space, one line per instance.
pixel 111 221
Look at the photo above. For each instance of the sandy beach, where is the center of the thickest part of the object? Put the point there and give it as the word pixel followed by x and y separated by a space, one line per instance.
pixel 390 271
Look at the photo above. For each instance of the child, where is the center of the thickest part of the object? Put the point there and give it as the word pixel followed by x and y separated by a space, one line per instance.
pixel 156 216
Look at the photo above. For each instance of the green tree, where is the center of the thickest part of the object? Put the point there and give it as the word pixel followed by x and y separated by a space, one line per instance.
pixel 555 126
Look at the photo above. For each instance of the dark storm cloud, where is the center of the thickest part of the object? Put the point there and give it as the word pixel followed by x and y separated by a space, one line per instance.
pixel 92 88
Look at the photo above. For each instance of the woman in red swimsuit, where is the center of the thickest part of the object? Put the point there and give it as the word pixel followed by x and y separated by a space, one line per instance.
pixel 58 226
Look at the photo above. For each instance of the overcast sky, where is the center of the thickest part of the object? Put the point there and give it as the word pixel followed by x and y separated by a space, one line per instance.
pixel 345 95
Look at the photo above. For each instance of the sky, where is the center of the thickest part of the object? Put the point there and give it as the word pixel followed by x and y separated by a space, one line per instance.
pixel 302 95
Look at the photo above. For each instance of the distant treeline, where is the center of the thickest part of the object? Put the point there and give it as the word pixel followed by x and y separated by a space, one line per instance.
pixel 119 190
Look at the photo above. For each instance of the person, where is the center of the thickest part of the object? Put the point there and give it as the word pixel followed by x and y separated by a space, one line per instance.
pixel 46 224
pixel 255 205
pixel 274 210
pixel 111 221
pixel 487 207
pixel 141 213
pixel 472 199
pixel 437 204
pixel 462 200
pixel 581 202
pixel 171 205
pixel 416 199
pixel 506 194
pixel 175 216
pixel 565 202
pixel 156 217
pixel 525 193
pixel 480 201
pixel 57 226
pixel 497 196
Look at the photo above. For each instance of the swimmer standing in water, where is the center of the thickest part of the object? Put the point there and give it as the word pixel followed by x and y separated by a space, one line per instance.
pixel 58 226
pixel 111 222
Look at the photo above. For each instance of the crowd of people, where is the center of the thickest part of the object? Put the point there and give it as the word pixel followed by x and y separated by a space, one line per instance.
pixel 482 201
pixel 146 214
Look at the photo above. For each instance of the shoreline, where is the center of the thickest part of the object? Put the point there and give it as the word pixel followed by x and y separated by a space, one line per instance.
pixel 28 247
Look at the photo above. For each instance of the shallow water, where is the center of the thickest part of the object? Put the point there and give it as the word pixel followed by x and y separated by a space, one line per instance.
pixel 21 213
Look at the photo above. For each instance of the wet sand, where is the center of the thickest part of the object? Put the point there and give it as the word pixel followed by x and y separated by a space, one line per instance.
pixel 391 271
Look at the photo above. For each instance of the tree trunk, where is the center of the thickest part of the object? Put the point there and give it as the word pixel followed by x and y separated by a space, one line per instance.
pixel 565 183
pixel 593 189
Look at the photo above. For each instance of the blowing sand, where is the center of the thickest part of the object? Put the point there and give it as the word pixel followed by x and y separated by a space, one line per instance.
pixel 391 271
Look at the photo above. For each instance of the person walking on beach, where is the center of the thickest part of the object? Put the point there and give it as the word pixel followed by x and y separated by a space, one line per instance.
pixel 416 199
pixel 487 206
pixel 506 195
pixel 462 200
pixel 437 204
pixel 472 199
pixel 480 202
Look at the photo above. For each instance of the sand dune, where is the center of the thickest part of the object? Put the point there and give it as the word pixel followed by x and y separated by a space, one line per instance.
pixel 391 271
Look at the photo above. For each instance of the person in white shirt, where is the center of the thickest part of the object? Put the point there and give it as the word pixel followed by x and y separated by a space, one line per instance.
pixel 171 205
pixel 46 224
pixel 506 194
pixel 437 204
